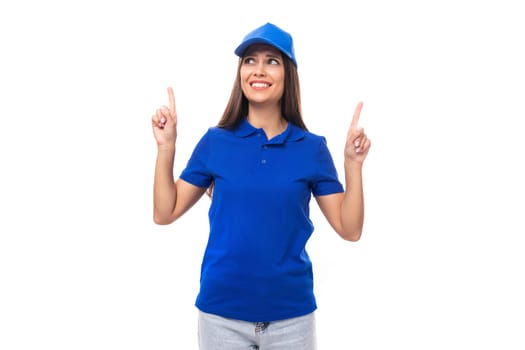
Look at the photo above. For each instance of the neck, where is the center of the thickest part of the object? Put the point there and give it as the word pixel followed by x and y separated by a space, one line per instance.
pixel 270 120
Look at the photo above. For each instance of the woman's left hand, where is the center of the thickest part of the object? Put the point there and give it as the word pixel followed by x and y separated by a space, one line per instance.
pixel 357 143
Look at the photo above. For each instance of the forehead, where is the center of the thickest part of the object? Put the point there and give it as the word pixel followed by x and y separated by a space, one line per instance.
pixel 262 48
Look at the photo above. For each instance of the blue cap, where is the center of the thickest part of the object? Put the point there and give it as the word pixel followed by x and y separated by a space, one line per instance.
pixel 272 35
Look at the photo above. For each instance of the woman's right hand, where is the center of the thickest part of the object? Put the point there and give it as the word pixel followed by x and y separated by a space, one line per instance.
pixel 164 122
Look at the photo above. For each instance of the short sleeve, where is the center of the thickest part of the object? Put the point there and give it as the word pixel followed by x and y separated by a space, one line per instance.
pixel 197 171
pixel 326 180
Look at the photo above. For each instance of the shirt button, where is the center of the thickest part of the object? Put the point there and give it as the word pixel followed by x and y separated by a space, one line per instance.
pixel 263 161
pixel 265 147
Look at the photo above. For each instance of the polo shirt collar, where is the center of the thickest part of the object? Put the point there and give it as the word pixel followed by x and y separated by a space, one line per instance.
pixel 292 132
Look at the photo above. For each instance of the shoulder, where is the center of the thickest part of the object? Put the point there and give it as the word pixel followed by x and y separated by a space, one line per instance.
pixel 313 139
pixel 298 134
pixel 213 137
pixel 211 133
pixel 317 144
pixel 216 131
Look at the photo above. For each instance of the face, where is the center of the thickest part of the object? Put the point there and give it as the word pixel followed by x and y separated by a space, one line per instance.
pixel 262 75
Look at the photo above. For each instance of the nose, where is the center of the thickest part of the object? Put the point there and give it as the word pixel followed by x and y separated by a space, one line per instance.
pixel 259 70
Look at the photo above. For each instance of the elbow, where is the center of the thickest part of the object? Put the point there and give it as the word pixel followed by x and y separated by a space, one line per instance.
pixel 161 219
pixel 352 236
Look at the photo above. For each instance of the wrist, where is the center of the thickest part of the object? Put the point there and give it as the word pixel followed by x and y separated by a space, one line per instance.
pixel 169 148
pixel 352 165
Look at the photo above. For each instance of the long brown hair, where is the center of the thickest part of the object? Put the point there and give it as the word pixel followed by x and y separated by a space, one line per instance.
pixel 237 108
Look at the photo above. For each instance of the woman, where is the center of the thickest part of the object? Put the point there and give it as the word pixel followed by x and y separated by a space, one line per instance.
pixel 260 165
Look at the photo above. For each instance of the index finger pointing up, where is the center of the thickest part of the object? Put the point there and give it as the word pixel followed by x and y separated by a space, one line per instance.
pixel 357 113
pixel 171 96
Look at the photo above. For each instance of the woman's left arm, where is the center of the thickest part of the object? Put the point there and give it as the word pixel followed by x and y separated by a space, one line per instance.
pixel 345 211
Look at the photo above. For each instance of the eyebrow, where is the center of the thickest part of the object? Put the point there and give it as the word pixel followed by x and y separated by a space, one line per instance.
pixel 273 56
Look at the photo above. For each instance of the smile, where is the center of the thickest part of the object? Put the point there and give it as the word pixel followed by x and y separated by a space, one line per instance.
pixel 260 85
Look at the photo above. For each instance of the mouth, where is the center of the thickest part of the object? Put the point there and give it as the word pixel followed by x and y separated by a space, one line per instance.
pixel 260 85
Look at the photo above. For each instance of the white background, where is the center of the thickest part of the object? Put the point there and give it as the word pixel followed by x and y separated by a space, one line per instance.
pixel 440 264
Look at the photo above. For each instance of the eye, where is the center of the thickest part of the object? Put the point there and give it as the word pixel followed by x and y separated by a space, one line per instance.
pixel 248 60
pixel 273 61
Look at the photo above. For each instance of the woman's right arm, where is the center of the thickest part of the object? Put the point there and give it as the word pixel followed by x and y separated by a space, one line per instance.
pixel 171 199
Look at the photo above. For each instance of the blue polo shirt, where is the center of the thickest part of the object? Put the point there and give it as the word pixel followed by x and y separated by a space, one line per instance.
pixel 255 266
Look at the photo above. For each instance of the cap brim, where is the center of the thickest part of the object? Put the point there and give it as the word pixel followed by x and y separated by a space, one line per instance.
pixel 239 51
